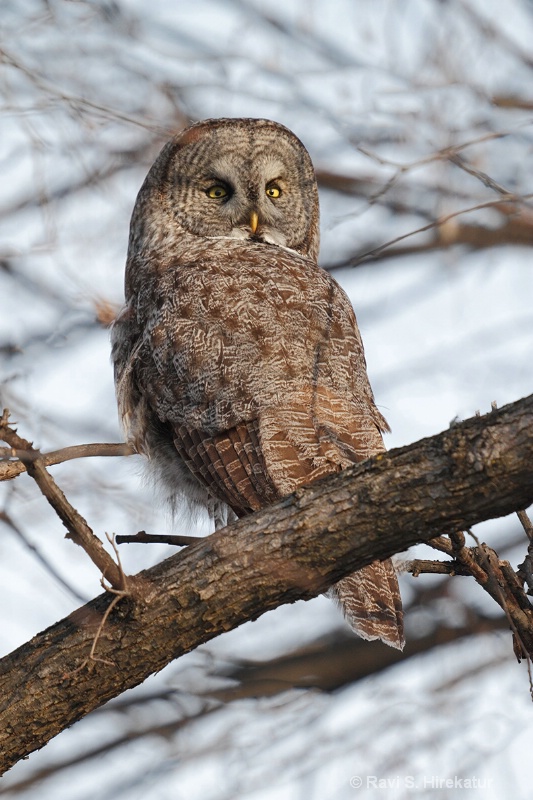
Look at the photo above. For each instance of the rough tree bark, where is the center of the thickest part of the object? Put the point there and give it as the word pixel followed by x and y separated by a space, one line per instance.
pixel 479 469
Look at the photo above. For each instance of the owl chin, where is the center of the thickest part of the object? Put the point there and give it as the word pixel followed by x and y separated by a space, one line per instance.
pixel 263 234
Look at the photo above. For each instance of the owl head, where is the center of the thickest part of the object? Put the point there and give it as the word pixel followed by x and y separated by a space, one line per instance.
pixel 248 179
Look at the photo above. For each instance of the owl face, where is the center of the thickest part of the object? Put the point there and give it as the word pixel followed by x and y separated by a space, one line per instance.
pixel 247 179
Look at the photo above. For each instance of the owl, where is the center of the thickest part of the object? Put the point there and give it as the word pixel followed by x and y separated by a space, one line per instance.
pixel 239 367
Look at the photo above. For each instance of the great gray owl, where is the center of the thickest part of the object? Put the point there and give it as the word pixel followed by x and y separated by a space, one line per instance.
pixel 239 366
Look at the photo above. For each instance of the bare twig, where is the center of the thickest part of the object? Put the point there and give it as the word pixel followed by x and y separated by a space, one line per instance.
pixel 486 180
pixel 11 469
pixel 148 538
pixel 48 566
pixel 526 523
pixel 78 529
pixel 503 585
pixel 437 223
pixel 525 569
pixel 421 566
pixel 494 575
pixel 92 657
pixel 443 544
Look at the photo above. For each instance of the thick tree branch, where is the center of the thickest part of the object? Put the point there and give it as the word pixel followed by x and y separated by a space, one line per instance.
pixel 477 470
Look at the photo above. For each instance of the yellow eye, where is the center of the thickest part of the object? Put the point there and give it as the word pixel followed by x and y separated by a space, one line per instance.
pixel 273 191
pixel 217 192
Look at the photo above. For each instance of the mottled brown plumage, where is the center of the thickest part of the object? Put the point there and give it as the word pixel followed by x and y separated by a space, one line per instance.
pixel 239 366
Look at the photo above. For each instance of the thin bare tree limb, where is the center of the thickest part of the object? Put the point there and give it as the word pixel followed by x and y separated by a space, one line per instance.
pixel 478 469
pixel 11 469
pixel 157 538
pixel 526 524
pixel 77 527
pixel 421 566
pixel 471 235
pixel 45 562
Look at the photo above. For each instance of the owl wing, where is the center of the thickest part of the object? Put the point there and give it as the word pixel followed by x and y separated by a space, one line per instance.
pixel 258 462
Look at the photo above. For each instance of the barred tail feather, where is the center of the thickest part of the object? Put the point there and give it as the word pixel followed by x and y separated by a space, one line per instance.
pixel 370 600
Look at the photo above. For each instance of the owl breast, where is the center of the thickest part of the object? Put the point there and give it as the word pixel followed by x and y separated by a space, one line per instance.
pixel 239 333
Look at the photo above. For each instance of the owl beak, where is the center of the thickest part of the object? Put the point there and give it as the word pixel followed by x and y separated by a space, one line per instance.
pixel 254 221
